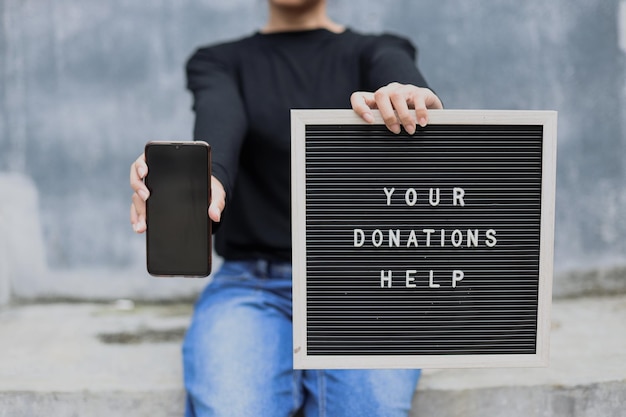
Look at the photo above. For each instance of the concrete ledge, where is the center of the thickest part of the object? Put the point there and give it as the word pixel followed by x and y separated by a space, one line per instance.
pixel 124 359
pixel 586 376
pixel 605 399
pixel 593 282
pixel 92 404
pixel 596 400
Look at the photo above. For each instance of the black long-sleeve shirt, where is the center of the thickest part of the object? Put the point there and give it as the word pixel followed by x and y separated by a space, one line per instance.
pixel 243 92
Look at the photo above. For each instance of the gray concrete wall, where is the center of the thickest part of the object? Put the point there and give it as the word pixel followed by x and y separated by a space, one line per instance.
pixel 84 84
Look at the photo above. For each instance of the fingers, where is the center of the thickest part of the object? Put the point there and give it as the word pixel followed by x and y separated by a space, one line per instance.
pixel 424 99
pixel 362 103
pixel 401 99
pixel 138 171
pixel 399 105
pixel 138 214
pixel 385 98
pixel 218 200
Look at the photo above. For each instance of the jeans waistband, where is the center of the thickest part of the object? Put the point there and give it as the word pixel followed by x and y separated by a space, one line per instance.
pixel 267 269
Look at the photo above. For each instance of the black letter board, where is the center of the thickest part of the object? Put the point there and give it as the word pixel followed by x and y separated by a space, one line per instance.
pixel 431 250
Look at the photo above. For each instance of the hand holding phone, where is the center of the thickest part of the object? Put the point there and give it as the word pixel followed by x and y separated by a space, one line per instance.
pixel 178 238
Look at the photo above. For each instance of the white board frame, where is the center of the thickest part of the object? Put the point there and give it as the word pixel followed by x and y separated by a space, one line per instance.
pixel 300 119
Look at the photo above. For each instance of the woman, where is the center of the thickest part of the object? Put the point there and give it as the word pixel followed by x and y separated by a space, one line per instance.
pixel 238 349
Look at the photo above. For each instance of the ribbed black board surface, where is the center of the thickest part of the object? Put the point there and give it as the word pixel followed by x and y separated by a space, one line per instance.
pixel 492 310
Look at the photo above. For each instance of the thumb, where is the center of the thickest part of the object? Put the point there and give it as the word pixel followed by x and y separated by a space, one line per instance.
pixel 362 103
pixel 218 200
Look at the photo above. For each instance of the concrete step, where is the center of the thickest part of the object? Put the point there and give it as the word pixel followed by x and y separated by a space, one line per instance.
pixel 90 359
pixel 586 376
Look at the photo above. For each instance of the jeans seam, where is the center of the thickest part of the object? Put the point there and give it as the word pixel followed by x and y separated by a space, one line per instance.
pixel 322 392
pixel 296 381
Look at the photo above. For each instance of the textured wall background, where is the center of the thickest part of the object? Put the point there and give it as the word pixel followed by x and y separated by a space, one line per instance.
pixel 84 84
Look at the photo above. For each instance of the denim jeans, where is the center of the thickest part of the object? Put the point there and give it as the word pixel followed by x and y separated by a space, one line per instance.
pixel 238 357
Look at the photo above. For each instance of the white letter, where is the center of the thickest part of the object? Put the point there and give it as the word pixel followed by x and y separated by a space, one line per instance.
pixel 412 239
pixel 430 197
pixel 359 238
pixel 431 284
pixel 377 238
pixel 456 277
pixel 443 237
pixel 457 196
pixel 410 279
pixel 472 238
pixel 456 238
pixel 428 232
pixel 410 197
pixel 394 238
pixel 389 193
pixel 385 279
pixel 491 238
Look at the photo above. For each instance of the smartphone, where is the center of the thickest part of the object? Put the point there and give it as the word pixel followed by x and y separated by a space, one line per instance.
pixel 178 235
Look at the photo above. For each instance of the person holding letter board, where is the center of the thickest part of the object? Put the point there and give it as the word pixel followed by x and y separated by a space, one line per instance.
pixel 238 349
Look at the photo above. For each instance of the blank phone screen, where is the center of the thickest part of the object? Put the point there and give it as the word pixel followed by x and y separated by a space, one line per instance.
pixel 178 237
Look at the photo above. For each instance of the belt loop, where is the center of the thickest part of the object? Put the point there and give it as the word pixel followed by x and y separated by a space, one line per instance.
pixel 280 269
pixel 271 269
pixel 262 268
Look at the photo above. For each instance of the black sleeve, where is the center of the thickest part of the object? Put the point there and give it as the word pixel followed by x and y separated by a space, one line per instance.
pixel 389 58
pixel 220 113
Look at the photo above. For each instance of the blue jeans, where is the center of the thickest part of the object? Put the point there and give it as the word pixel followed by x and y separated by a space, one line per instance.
pixel 238 357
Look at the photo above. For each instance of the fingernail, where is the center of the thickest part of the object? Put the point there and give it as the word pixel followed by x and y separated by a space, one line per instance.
pixel 410 129
pixel 143 194
pixel 395 128
pixel 142 172
pixel 423 121
pixel 136 227
pixel 368 117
